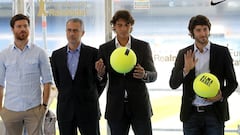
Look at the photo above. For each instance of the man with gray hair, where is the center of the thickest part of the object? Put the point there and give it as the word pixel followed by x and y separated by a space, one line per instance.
pixel 77 83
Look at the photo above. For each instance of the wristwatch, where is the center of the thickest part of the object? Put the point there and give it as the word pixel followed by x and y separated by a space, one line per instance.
pixel 45 105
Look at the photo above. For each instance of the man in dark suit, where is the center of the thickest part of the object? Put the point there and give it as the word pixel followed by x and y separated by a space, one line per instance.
pixel 203 116
pixel 127 96
pixel 76 79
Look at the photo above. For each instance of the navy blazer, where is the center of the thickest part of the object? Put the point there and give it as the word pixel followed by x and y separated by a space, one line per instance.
pixel 221 65
pixel 138 96
pixel 79 95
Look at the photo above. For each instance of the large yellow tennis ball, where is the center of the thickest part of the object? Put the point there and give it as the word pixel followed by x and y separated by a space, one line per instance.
pixel 123 60
pixel 206 85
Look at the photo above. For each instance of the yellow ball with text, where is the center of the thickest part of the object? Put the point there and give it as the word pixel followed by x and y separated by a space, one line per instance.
pixel 206 85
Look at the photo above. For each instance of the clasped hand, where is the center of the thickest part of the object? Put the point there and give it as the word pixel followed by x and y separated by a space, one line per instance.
pixel 139 71
pixel 100 67
pixel 218 97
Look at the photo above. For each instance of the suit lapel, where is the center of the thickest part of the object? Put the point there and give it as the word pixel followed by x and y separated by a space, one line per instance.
pixel 192 72
pixel 137 51
pixel 212 56
pixel 65 55
pixel 133 45
pixel 112 47
pixel 81 59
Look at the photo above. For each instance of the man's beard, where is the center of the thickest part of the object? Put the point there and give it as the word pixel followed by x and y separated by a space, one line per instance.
pixel 202 40
pixel 73 40
pixel 21 36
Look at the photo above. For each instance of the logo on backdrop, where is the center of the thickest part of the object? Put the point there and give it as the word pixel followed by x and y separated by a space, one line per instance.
pixel 42 9
pixel 215 3
pixel 50 8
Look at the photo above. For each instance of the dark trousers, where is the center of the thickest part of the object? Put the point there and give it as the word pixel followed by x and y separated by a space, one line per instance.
pixel 139 126
pixel 90 127
pixel 203 123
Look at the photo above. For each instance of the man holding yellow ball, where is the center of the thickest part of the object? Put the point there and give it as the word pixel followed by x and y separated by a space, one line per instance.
pixel 127 96
pixel 203 116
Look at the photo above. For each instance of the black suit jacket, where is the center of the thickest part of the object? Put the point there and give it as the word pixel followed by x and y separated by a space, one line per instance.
pixel 138 96
pixel 78 96
pixel 221 65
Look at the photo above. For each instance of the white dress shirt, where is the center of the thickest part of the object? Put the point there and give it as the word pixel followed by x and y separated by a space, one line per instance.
pixel 202 66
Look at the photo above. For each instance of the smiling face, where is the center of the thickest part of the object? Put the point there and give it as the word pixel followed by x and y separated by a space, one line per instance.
pixel 21 30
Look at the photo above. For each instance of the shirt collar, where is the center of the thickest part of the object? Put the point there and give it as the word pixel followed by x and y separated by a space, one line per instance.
pixel 77 50
pixel 128 43
pixel 27 46
pixel 206 48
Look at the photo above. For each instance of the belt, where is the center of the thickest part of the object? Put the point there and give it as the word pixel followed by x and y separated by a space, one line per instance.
pixel 201 109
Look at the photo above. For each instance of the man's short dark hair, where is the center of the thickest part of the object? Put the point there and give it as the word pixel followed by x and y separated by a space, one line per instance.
pixel 198 20
pixel 122 14
pixel 18 17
